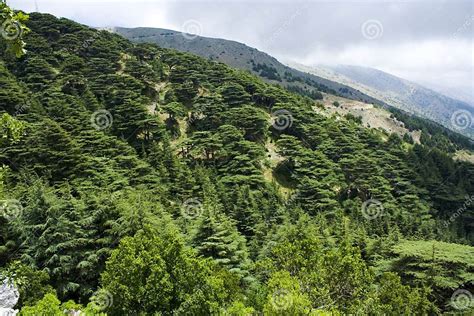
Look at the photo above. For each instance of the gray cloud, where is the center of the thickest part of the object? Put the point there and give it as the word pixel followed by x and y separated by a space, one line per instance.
pixel 422 40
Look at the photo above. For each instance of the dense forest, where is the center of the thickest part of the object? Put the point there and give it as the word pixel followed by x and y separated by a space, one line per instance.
pixel 138 180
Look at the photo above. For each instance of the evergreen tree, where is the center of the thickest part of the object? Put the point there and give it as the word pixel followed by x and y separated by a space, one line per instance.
pixel 153 272
pixel 216 237
pixel 234 95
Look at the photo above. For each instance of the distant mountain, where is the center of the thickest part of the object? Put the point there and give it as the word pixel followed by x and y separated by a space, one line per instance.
pixel 456 93
pixel 357 83
pixel 241 56
pixel 403 94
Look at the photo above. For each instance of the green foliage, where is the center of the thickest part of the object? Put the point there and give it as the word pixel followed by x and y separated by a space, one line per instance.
pixel 311 93
pixel 238 308
pixel 12 96
pixel 50 305
pixel 252 121
pixel 174 110
pixel 153 272
pixel 216 237
pixel 13 29
pixel 31 284
pixel 398 299
pixel 11 130
pixel 266 71
pixel 443 266
pixel 285 296
pixel 234 94
pixel 209 209
pixel 335 278
pixel 441 136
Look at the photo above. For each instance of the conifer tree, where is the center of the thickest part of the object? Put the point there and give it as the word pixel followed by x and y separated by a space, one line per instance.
pixel 234 94
pixel 217 237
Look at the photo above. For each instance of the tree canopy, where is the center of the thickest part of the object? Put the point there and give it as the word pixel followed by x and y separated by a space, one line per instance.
pixel 141 180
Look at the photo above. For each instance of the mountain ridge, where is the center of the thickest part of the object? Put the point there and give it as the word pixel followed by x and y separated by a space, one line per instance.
pixel 422 102
pixel 399 92
pixel 242 56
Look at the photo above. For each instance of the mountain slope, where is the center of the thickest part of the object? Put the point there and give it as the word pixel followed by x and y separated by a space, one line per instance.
pixel 241 56
pixel 356 83
pixel 400 93
pixel 142 179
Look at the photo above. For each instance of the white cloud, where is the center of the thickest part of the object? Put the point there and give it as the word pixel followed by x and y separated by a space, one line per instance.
pixel 429 42
pixel 437 63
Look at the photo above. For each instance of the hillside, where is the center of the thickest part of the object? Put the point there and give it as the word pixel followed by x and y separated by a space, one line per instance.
pixel 241 56
pixel 356 83
pixel 140 180
pixel 402 94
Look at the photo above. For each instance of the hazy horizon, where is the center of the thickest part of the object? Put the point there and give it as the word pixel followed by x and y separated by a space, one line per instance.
pixel 427 42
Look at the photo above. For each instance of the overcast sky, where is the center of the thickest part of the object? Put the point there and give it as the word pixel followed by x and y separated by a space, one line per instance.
pixel 426 41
